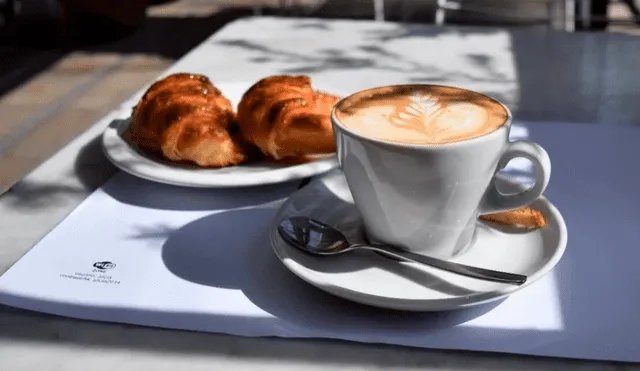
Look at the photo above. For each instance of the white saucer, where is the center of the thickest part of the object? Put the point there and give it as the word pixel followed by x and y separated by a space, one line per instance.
pixel 143 165
pixel 374 280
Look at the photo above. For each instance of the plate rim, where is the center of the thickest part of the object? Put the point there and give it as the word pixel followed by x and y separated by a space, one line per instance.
pixel 417 305
pixel 117 151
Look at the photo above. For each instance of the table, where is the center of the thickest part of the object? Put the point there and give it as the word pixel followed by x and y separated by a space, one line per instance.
pixel 566 8
pixel 541 74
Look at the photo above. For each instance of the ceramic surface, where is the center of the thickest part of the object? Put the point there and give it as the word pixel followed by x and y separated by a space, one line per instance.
pixel 426 197
pixel 371 279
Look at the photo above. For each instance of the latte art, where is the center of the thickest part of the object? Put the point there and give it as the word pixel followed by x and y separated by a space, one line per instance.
pixel 417 113
pixel 424 114
pixel 420 116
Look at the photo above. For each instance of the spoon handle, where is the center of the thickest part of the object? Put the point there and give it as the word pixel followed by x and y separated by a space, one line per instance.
pixel 466 270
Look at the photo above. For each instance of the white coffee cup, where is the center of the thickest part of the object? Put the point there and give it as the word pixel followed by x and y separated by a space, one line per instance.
pixel 426 198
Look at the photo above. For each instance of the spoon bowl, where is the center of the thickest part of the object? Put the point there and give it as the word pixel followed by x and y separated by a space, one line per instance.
pixel 312 236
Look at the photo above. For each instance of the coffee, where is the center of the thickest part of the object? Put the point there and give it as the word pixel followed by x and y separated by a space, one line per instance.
pixel 421 114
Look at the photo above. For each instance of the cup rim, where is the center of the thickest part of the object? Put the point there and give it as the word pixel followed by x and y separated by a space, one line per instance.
pixel 487 136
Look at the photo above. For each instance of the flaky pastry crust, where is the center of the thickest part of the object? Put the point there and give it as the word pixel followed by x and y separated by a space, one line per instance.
pixel 186 118
pixel 285 117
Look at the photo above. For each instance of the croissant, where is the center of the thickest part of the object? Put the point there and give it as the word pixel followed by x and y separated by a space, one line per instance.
pixel 284 117
pixel 186 118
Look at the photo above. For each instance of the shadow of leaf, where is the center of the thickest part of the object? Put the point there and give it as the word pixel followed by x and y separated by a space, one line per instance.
pixel 375 52
pixel 157 232
pixel 317 25
pixel 34 195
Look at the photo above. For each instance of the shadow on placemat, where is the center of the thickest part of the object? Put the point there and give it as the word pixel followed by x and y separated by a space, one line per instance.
pixel 193 254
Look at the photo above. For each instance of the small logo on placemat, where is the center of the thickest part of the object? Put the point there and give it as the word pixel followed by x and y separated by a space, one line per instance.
pixel 104 265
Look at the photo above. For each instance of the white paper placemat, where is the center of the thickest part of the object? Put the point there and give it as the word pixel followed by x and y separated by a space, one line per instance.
pixel 121 254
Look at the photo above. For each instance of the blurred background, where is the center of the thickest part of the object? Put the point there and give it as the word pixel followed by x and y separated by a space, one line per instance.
pixel 66 63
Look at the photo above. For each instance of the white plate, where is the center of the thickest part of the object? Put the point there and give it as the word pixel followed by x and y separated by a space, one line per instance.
pixel 374 280
pixel 141 164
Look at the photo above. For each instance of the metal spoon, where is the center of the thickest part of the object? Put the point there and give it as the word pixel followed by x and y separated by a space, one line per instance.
pixel 317 238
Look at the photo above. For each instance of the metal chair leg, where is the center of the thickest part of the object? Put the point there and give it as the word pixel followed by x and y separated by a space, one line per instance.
pixel 569 15
pixel 441 12
pixel 378 10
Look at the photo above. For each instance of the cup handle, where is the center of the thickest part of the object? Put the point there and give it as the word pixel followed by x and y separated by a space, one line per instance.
pixel 494 201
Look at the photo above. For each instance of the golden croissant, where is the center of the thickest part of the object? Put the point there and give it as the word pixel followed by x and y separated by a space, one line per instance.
pixel 186 118
pixel 285 117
